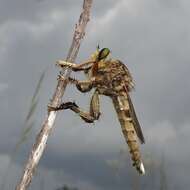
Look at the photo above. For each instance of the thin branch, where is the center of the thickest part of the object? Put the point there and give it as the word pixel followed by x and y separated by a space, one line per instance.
pixel 47 126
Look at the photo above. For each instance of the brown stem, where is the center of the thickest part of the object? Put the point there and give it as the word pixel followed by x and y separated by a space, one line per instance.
pixel 41 139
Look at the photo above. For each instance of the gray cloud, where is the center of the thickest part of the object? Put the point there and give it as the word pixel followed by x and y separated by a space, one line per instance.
pixel 151 37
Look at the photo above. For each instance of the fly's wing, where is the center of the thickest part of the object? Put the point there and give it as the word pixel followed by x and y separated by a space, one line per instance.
pixel 135 120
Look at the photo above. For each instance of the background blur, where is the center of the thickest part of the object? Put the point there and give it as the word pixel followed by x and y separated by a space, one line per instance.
pixel 152 38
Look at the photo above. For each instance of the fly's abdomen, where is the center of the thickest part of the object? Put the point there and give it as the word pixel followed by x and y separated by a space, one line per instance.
pixel 122 108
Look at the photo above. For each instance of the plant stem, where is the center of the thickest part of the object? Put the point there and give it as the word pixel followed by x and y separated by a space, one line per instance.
pixel 42 137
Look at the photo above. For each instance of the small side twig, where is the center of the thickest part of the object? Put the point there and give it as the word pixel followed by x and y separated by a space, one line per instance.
pixel 42 137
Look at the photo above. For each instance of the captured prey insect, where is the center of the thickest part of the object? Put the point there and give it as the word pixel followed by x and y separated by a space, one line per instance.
pixel 110 78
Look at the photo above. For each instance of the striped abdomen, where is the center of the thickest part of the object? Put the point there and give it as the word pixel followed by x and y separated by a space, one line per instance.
pixel 122 107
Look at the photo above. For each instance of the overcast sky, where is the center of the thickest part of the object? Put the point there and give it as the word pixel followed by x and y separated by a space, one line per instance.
pixel 151 37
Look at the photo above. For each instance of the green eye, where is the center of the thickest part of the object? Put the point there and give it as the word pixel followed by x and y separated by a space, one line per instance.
pixel 103 53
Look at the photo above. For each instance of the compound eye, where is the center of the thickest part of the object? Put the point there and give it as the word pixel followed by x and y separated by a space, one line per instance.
pixel 103 53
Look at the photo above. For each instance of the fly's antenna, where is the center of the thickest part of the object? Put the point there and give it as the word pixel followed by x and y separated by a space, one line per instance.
pixel 98 47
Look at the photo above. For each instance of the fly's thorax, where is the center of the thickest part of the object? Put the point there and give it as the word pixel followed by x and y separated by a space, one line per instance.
pixel 112 74
pixel 102 65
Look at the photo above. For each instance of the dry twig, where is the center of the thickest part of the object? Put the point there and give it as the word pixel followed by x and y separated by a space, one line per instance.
pixel 42 137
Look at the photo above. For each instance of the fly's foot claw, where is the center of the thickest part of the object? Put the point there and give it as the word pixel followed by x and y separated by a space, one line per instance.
pixel 73 80
pixel 61 77
pixel 62 63
pixel 50 108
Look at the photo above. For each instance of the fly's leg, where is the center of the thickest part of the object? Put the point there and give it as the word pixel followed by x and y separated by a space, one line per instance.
pixel 94 112
pixel 88 117
pixel 85 86
pixel 95 105
pixel 82 86
pixel 76 67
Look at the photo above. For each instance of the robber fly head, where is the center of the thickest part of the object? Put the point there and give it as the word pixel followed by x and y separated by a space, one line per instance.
pixel 99 55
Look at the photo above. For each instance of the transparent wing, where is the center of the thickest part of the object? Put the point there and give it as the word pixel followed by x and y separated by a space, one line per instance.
pixel 135 121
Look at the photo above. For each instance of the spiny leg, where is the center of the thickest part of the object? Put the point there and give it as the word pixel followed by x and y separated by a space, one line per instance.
pixel 82 86
pixel 85 86
pixel 95 105
pixel 94 112
pixel 88 117
pixel 76 67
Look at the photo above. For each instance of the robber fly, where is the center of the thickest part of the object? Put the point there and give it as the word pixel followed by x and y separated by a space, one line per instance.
pixel 110 78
